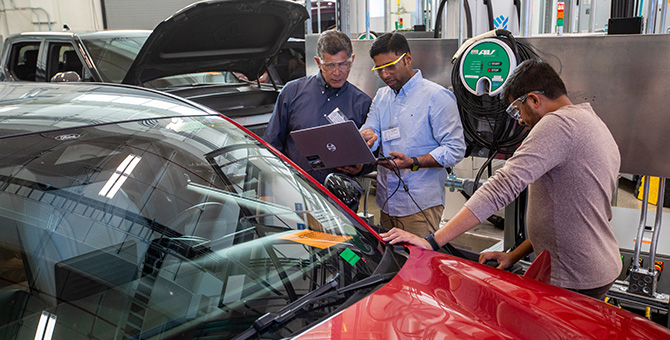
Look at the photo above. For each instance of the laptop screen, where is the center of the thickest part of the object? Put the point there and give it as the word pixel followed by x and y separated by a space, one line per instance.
pixel 333 145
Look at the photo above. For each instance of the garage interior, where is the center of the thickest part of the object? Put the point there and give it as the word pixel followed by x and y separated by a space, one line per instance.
pixel 604 51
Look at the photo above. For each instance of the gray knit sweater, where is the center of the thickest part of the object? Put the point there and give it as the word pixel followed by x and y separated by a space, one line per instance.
pixel 571 162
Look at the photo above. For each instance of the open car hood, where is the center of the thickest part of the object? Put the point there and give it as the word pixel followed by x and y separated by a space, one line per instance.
pixel 219 35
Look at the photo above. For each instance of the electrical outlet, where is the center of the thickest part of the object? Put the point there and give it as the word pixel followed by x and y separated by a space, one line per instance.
pixel 643 282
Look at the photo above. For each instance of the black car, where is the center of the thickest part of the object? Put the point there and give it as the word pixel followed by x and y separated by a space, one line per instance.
pixel 130 213
pixel 201 53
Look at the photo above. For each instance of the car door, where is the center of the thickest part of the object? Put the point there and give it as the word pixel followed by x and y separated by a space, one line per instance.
pixel 21 61
pixel 64 56
pixel 39 58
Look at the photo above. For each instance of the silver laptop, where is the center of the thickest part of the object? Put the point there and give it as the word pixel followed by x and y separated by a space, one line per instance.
pixel 333 145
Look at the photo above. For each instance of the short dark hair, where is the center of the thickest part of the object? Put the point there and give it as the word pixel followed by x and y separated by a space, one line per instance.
pixel 333 42
pixel 533 75
pixel 389 42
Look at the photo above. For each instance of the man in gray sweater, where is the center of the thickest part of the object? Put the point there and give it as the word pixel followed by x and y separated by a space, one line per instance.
pixel 571 162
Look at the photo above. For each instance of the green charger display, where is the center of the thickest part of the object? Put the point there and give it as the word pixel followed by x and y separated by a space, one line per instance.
pixel 485 66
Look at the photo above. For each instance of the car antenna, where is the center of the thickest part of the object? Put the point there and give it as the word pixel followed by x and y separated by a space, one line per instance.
pixel 66 28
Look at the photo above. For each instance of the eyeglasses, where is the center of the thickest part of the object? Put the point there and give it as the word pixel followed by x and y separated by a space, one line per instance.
pixel 390 67
pixel 514 111
pixel 343 66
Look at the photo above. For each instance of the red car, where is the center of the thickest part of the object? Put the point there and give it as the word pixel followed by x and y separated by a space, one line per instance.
pixel 127 213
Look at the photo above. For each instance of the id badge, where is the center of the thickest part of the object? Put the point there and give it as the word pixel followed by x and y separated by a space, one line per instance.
pixel 336 116
pixel 391 134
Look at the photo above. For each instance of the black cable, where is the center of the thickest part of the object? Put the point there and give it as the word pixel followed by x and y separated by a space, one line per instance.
pixel 450 249
pixel 489 11
pixel 440 12
pixel 481 170
pixel 517 4
pixel 490 168
pixel 396 171
pixel 415 203
pixel 504 132
pixel 468 17
pixel 438 19
pixel 406 188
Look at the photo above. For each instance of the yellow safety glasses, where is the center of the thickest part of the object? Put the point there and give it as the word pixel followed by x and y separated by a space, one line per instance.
pixel 390 66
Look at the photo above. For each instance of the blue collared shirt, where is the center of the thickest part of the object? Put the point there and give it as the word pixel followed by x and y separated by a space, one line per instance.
pixel 426 115
pixel 304 103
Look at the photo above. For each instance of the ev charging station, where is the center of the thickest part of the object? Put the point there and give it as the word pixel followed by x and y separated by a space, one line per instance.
pixel 485 67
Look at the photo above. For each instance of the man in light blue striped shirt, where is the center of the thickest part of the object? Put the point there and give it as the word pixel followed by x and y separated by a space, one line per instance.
pixel 416 121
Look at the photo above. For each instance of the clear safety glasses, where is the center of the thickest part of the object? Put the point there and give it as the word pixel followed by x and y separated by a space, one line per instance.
pixel 514 111
pixel 343 66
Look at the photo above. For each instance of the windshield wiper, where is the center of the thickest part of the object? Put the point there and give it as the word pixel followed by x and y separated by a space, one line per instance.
pixel 371 280
pixel 288 312
pixel 267 320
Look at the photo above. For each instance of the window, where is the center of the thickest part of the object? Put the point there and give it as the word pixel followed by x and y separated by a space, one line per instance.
pixel 63 58
pixel 151 228
pixel 23 61
pixel 113 56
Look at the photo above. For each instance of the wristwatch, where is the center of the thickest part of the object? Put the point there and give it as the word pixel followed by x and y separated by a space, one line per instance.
pixel 415 164
pixel 431 240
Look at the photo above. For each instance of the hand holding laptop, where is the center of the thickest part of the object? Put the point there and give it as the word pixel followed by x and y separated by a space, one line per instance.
pixel 335 145
pixel 352 169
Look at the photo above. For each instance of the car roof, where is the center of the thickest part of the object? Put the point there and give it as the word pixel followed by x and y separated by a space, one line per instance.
pixel 83 35
pixel 40 107
pixel 106 33
pixel 115 33
pixel 43 34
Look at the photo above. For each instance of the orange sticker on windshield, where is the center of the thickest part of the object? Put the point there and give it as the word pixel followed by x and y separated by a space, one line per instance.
pixel 315 238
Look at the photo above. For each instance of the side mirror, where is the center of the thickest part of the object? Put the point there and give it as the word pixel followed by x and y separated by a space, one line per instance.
pixel 64 77
pixel 345 188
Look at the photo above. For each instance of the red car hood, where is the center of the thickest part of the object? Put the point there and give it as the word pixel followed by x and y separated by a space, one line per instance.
pixel 436 296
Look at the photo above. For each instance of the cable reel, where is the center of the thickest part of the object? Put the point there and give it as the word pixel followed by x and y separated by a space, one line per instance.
pixel 483 65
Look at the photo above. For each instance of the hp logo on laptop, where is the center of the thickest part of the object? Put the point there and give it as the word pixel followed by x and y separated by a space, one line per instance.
pixel 331 147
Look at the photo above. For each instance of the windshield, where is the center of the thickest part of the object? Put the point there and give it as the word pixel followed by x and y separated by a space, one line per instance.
pixel 113 56
pixel 191 79
pixel 168 228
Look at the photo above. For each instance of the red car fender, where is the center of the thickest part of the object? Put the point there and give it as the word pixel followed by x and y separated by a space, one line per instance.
pixel 540 269
pixel 437 296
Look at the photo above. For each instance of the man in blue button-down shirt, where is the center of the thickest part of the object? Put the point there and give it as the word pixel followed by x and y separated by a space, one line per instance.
pixel 307 102
pixel 417 121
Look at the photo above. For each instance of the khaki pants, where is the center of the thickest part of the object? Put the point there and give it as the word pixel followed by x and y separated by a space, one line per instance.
pixel 421 224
